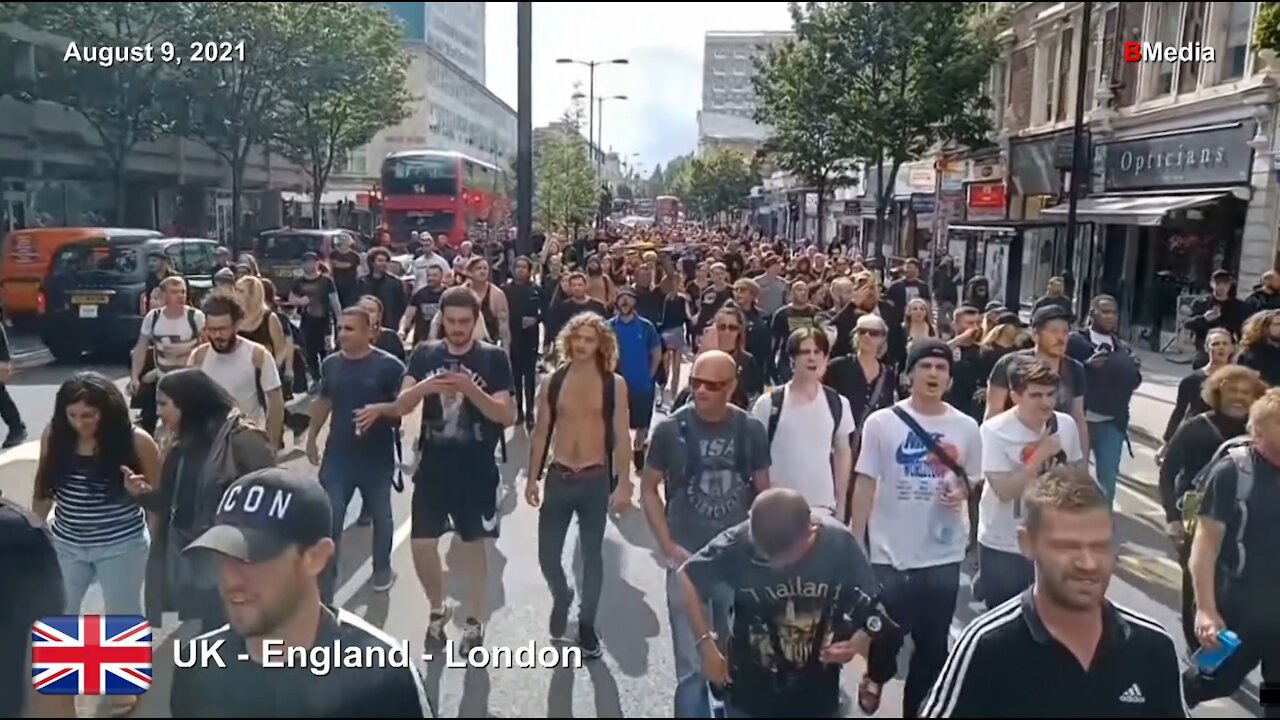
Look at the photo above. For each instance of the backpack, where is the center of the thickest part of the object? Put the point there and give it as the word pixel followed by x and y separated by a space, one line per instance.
pixel 153 316
pixel 779 394
pixel 553 397
pixel 259 357
pixel 1239 450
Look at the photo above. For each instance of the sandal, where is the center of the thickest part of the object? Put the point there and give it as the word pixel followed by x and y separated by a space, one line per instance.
pixel 869 696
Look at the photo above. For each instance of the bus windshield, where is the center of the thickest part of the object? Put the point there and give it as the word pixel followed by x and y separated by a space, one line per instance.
pixel 420 175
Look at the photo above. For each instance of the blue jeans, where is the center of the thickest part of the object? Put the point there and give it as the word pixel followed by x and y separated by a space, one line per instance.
pixel 341 480
pixel 119 568
pixel 1001 575
pixel 693 698
pixel 1107 440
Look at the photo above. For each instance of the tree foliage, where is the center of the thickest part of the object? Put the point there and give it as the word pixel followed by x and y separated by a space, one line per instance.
pixel 127 103
pixel 350 84
pixel 565 193
pixel 884 83
pixel 913 75
pixel 1266 33
pixel 715 182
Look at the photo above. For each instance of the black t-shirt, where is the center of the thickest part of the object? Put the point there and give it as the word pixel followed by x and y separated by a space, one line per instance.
pixel 427 301
pixel 346 268
pixel 1259 585
pixel 31 589
pixel 1071 377
pixel 5 353
pixel 783 617
pixel 709 303
pixel 246 689
pixel 453 421
pixel 317 291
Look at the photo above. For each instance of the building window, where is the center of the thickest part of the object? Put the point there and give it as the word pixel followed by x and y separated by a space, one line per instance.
pixel 1046 90
pixel 996 85
pixel 1192 33
pixel 1064 84
pixel 1164 23
pixel 1233 52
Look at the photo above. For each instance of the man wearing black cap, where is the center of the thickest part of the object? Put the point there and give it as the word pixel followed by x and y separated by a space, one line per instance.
pixel 915 470
pixel 31 589
pixel 273 537
pixel 318 297
pixel 1050 328
pixel 1220 309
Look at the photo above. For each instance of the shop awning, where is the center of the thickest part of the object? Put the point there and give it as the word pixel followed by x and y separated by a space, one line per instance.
pixel 1142 210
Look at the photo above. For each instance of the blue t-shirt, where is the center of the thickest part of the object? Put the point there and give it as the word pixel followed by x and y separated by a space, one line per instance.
pixel 350 385
pixel 637 339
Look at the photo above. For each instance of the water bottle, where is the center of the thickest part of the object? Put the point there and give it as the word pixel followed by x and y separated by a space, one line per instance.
pixel 1208 660
pixel 944 522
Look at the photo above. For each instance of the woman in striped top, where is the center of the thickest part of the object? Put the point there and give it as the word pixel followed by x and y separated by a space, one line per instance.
pixel 93 462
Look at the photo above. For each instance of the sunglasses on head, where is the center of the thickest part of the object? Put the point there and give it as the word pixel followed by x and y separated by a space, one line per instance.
pixel 710 385
pixel 727 327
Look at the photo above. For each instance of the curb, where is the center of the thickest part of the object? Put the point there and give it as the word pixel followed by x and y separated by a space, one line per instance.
pixel 34 358
pixel 1143 436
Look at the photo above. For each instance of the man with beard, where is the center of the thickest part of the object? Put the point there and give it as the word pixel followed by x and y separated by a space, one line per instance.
pixel 865 301
pixel 1062 644
pixel 383 285
pixel 1220 309
pixel 965 372
pixel 271 540
pixel 578 301
pixel 241 366
pixel 423 306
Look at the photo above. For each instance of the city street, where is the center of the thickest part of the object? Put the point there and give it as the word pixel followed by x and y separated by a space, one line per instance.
pixel 635 678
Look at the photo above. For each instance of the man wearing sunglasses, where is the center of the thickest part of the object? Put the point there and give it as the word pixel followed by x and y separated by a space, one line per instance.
pixel 712 459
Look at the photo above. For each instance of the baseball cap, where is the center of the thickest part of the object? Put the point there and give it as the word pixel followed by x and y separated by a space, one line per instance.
pixel 1049 313
pixel 928 348
pixel 263 513
pixel 994 306
pixel 626 290
pixel 1220 274
pixel 309 255
pixel 225 275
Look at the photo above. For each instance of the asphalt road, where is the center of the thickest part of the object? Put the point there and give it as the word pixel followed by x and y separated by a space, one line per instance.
pixel 635 678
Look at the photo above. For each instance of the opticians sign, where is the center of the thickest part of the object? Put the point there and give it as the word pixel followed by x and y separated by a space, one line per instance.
pixel 1212 155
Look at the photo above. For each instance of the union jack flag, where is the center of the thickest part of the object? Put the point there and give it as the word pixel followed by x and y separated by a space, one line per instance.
pixel 91 655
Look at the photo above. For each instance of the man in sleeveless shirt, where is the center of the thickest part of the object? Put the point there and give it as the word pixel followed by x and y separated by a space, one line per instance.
pixel 493 303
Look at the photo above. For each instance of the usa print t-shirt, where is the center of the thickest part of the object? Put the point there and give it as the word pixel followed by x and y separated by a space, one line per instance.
pixel 909 483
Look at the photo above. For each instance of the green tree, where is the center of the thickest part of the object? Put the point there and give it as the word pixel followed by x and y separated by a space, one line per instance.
pixel 671 175
pixel 231 106
pixel 1266 32
pixel 715 182
pixel 800 92
pixel 349 83
pixel 127 103
pixel 565 193
pixel 912 76
pixel 625 192
pixel 656 183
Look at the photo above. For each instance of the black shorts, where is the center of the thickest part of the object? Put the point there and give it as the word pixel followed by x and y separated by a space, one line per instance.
pixel 455 491
pixel 640 407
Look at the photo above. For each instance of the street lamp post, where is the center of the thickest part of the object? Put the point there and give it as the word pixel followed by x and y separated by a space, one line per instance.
pixel 600 126
pixel 591 66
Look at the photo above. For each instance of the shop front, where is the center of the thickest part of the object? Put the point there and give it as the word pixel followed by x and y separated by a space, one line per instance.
pixel 1172 210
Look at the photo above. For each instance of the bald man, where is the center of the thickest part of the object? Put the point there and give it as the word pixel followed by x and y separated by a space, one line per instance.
pixel 800 583
pixel 712 458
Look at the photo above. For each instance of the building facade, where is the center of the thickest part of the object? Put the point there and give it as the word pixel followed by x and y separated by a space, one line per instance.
pixel 1181 177
pixel 455 30
pixel 52 171
pixel 727 118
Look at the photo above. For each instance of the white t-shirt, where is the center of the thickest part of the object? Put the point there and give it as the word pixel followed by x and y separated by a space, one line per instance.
pixel 235 372
pixel 420 265
pixel 801 450
pixel 909 482
pixel 1006 445
pixel 172 338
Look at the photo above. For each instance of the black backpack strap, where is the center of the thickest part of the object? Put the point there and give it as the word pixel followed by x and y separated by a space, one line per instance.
pixel 836 408
pixel 776 398
pixel 692 453
pixel 932 445
pixel 191 320
pixel 609 436
pixel 553 398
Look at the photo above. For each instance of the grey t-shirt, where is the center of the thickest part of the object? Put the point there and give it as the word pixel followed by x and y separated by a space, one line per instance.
pixel 783 617
pixel 1071 378
pixel 718 497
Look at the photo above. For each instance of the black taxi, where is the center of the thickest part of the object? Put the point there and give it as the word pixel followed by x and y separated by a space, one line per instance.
pixel 279 252
pixel 94 291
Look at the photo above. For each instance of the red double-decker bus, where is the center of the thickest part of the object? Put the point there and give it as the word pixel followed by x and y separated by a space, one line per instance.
pixel 443 193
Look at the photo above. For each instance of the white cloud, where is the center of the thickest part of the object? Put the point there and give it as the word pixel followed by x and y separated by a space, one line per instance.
pixel 663 41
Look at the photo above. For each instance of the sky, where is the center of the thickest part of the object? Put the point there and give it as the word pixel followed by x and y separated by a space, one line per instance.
pixel 663 42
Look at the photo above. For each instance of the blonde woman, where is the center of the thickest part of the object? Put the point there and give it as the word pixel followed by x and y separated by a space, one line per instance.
pixel 917 321
pixel 260 323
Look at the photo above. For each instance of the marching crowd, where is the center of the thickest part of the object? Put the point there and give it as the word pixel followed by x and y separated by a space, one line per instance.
pixel 848 438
